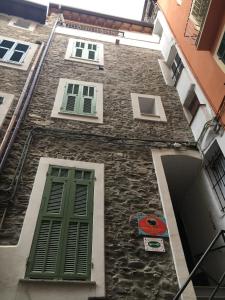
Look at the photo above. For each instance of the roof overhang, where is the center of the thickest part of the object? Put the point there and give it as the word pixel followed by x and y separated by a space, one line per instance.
pixel 24 9
pixel 98 19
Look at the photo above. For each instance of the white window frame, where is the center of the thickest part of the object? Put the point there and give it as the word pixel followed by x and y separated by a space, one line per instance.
pixel 71 49
pixel 15 19
pixel 158 116
pixel 5 106
pixel 56 111
pixel 25 59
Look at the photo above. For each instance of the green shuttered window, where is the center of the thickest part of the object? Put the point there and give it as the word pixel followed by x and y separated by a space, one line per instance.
pixel 79 99
pixel 85 50
pixel 221 50
pixel 62 243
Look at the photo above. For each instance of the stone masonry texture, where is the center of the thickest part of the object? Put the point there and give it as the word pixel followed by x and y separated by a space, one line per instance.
pixel 130 180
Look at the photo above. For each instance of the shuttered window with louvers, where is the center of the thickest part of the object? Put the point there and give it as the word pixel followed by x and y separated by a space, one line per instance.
pixel 79 99
pixel 62 242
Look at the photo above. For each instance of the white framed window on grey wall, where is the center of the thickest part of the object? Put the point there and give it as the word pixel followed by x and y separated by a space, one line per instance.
pixel 148 107
pixel 85 51
pixel 16 54
pixel 79 100
pixel 22 24
pixel 5 104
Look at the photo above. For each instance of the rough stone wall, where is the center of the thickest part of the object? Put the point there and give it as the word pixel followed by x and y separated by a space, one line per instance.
pixel 130 181
pixel 12 80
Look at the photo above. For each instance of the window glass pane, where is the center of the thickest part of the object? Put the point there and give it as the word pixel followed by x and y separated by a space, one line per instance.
pixel 77 44
pixel 76 89
pixel 85 91
pixel 91 54
pixel 55 172
pixel 22 47
pixel 16 56
pixel 221 51
pixel 1 99
pixel 7 44
pixel 70 105
pixel 70 88
pixel 87 105
pixel 89 46
pixel 82 45
pixel 91 91
pixel 95 47
pixel 78 174
pixel 3 52
pixel 64 172
pixel 87 174
pixel 79 52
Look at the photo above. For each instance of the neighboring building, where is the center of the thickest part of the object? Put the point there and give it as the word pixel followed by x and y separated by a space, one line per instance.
pixel 192 41
pixel 90 136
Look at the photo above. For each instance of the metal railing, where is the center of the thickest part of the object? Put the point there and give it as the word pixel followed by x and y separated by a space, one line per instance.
pixel 196 19
pixel 198 266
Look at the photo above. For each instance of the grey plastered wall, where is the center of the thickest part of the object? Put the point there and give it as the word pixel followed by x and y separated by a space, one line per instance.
pixel 130 181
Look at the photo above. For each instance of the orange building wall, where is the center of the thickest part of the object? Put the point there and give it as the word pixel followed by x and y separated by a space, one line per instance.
pixel 209 75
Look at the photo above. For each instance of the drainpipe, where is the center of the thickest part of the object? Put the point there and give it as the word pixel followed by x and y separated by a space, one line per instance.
pixel 24 101
pixel 20 102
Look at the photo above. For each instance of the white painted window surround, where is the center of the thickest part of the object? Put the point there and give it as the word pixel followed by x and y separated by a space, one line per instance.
pixel 22 24
pixel 27 58
pixel 148 107
pixel 70 52
pixel 5 106
pixel 14 258
pixel 97 118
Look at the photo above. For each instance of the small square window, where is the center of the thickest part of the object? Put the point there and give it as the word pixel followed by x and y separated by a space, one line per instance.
pixel 1 99
pixel 191 105
pixel 85 52
pixel 22 24
pixel 148 107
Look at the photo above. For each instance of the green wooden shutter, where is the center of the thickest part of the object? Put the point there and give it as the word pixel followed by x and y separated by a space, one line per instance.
pixel 77 249
pixel 71 98
pixel 88 100
pixel 62 241
pixel 221 50
pixel 44 260
pixel 78 50
pixel 92 51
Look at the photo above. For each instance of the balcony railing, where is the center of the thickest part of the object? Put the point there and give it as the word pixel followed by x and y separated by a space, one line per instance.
pixel 196 19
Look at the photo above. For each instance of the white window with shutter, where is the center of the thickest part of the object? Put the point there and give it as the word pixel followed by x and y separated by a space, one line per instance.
pixel 79 100
pixel 16 54
pixel 85 52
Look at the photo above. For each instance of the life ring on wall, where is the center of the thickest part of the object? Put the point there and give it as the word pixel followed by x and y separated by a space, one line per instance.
pixel 152 225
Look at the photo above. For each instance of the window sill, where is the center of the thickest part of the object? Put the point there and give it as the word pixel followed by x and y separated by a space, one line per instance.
pixel 78 115
pixel 84 61
pixel 58 282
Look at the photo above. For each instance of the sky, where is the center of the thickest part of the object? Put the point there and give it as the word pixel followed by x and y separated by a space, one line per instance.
pixel 130 9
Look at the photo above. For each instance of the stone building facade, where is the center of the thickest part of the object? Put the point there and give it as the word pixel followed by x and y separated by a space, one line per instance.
pixel 121 144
